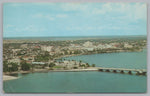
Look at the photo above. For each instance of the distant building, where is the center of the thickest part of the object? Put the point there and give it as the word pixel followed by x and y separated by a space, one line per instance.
pixel 15 50
pixel 38 65
pixel 108 46
pixel 101 46
pixel 88 44
pixel 89 49
pixel 24 46
pixel 15 60
pixel 104 46
pixel 126 45
pixel 115 45
pixel 46 48
pixel 28 58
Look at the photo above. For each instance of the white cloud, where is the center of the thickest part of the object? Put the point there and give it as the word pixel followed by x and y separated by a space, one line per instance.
pixel 130 10
pixel 74 6
pixel 85 28
pixel 32 28
pixel 29 28
pixel 50 17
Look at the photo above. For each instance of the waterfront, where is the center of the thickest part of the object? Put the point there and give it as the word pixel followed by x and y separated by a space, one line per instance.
pixel 74 47
pixel 70 82
pixel 132 60
pixel 76 82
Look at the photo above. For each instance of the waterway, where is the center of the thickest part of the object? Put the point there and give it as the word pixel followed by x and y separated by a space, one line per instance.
pixel 86 82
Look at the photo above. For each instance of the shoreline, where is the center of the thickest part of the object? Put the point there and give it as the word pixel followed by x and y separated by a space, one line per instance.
pixel 117 51
pixel 8 77
pixel 54 70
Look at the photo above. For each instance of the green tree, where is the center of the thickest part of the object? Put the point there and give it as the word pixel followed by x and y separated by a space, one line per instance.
pixel 51 65
pixel 80 63
pixel 14 67
pixel 5 66
pixel 87 64
pixel 43 58
pixel 93 65
pixel 44 65
pixel 25 66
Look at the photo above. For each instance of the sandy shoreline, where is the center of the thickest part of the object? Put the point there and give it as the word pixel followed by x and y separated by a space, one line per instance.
pixel 7 77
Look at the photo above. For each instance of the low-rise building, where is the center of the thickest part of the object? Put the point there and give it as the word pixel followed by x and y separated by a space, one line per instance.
pixel 126 45
pixel 38 65
pixel 89 49
pixel 24 46
pixel 88 44
pixel 46 48
pixel 15 60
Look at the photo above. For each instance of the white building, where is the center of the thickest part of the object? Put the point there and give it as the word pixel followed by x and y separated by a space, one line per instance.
pixel 38 63
pixel 46 48
pixel 89 49
pixel 15 50
pixel 101 46
pixel 24 46
pixel 30 58
pixel 108 46
pixel 88 44
pixel 105 46
pixel 126 45
pixel 15 60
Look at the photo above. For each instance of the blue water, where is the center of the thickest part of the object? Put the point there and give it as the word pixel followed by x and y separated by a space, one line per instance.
pixel 86 82
pixel 62 38
pixel 133 60
pixel 77 82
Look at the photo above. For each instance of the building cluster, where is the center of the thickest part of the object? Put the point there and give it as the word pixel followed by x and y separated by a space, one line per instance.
pixel 31 51
pixel 71 64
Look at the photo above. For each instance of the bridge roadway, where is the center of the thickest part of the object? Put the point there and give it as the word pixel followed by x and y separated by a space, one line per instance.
pixel 123 70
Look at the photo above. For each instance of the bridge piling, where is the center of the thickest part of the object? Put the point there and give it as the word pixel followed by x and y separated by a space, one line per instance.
pixel 121 71
pixel 107 70
pixel 124 70
pixel 140 73
pixel 101 70
pixel 115 71
pixel 129 72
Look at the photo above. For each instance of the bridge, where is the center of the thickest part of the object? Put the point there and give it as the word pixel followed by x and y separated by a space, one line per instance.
pixel 123 70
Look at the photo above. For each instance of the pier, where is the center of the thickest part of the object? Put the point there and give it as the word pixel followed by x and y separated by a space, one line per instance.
pixel 123 70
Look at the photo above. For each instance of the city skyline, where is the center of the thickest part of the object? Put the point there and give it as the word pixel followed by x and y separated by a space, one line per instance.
pixel 74 19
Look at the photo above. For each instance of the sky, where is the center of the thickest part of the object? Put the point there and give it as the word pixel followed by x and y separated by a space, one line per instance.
pixel 74 19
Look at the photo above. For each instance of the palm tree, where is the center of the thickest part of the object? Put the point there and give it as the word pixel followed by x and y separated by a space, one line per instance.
pixel 87 64
pixel 80 63
pixel 93 65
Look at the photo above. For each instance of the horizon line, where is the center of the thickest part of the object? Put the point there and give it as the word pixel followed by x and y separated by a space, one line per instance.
pixel 73 36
